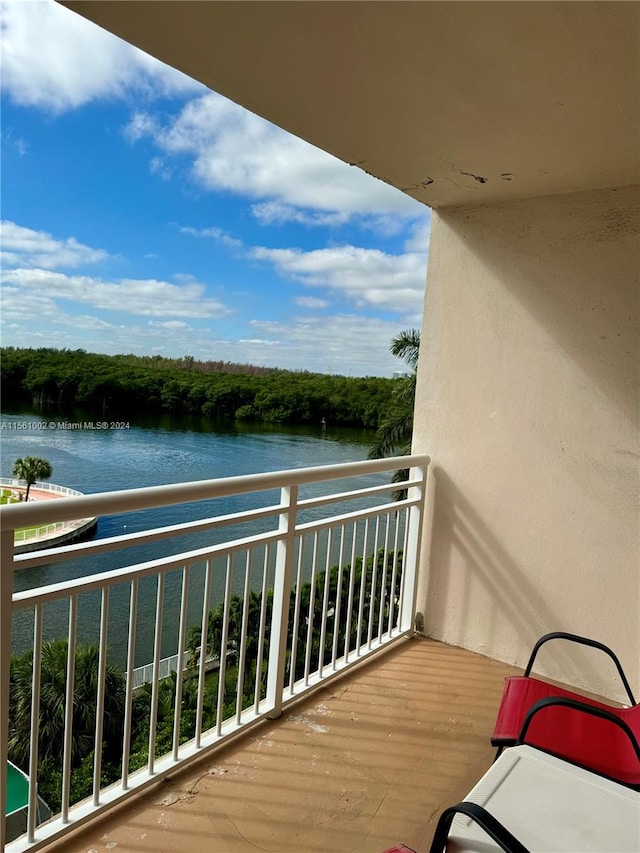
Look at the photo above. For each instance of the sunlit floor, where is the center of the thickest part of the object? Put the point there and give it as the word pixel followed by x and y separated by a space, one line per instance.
pixel 362 764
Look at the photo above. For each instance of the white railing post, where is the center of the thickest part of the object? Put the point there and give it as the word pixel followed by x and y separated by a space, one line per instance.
pixel 281 600
pixel 412 550
pixel 6 611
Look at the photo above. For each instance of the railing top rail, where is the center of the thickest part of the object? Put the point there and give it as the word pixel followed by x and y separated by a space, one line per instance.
pixel 87 583
pixel 139 537
pixel 104 503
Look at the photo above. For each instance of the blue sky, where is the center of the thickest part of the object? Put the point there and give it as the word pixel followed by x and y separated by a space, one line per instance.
pixel 144 213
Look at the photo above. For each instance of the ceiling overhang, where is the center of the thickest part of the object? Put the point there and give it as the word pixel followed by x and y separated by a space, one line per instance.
pixel 451 102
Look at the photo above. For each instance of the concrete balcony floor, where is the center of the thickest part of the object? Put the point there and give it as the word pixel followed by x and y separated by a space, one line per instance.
pixel 363 763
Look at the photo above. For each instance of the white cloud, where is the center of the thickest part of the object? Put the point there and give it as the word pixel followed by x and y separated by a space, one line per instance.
pixel 216 233
pixel 367 276
pixel 26 247
pixel 18 305
pixel 276 213
pixel 257 342
pixel 88 322
pixel 11 141
pixel 139 126
pixel 169 324
pixel 326 344
pixel 233 150
pixel 420 236
pixel 317 343
pixel 310 302
pixel 54 59
pixel 323 344
pixel 157 166
pixel 133 296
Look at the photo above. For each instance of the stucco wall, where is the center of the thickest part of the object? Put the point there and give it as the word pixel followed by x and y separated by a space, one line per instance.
pixel 528 404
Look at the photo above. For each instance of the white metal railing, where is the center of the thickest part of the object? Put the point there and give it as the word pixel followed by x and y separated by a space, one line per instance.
pixel 144 674
pixel 167 666
pixel 46 531
pixel 283 595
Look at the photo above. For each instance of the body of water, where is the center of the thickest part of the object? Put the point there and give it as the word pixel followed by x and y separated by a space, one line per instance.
pixel 155 452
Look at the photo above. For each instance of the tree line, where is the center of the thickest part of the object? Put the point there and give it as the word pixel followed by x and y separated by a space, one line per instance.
pixel 128 385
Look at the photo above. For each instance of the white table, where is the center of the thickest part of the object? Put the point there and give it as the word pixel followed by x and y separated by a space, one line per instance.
pixel 550 806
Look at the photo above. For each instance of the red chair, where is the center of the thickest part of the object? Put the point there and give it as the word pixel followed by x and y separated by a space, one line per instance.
pixel 592 734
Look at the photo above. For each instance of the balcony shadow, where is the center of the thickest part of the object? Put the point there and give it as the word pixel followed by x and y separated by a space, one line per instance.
pixel 508 595
pixel 356 766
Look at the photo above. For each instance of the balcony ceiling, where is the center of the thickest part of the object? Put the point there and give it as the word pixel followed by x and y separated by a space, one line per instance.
pixel 452 102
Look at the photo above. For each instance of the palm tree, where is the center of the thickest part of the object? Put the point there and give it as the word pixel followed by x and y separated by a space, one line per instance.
pixel 394 434
pixel 53 677
pixel 30 469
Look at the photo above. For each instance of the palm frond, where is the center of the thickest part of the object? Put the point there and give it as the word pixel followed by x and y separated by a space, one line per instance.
pixel 393 437
pixel 406 346
pixel 394 434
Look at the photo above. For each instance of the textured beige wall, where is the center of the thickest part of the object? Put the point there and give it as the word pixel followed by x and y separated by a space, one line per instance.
pixel 528 404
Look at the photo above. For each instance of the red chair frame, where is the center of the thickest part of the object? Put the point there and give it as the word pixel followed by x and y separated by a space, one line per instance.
pixel 592 734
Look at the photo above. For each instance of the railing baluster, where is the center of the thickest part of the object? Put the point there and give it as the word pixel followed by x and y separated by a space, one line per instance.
pixel 311 613
pixel 222 672
pixel 6 611
pixel 405 570
pixel 325 601
pixel 336 612
pixel 243 636
pixel 394 573
pixel 155 681
pixel 68 707
pixel 383 583
pixel 102 668
pixel 352 574
pixel 374 580
pixel 177 707
pixel 204 646
pixel 32 811
pixel 263 621
pixel 296 619
pixel 363 585
pixel 128 698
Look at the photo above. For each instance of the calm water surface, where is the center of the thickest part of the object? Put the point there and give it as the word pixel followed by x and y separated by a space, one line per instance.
pixel 156 452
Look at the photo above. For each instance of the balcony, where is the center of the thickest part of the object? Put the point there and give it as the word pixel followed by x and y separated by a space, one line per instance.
pixel 361 764
pixel 301 583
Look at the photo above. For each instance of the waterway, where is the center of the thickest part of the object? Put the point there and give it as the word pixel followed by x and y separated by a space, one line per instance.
pixel 152 452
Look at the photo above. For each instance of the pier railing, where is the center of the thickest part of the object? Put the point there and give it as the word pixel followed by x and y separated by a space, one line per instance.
pixel 300 583
pixel 29 538
pixel 39 485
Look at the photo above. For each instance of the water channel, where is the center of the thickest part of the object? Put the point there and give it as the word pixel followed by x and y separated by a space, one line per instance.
pixel 146 453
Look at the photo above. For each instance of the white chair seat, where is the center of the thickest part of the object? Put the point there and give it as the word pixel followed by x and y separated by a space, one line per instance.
pixel 550 806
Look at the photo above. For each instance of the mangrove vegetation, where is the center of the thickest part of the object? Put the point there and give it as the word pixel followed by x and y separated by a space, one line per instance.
pixel 126 385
